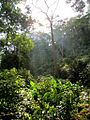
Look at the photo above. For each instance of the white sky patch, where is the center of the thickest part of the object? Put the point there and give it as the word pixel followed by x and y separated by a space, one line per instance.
pixel 63 10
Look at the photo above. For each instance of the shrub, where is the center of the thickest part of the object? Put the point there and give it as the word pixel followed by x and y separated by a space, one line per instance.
pixel 52 99
pixel 47 99
pixel 80 71
pixel 11 85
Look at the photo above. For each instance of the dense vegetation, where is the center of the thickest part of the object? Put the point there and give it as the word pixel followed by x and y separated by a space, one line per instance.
pixel 48 98
pixel 30 88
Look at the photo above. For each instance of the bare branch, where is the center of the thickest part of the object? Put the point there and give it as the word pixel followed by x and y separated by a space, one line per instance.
pixel 41 10
pixel 55 7
pixel 46 4
pixel 53 3
pixel 45 13
pixel 45 1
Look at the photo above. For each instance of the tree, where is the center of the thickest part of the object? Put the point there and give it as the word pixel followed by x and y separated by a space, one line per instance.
pixel 16 53
pixel 12 22
pixel 41 55
pixel 77 49
pixel 78 5
pixel 11 17
pixel 50 18
pixel 77 35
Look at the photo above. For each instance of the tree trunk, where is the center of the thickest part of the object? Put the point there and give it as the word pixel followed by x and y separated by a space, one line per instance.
pixel 53 49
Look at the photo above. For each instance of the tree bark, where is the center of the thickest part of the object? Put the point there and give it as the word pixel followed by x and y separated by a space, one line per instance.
pixel 53 49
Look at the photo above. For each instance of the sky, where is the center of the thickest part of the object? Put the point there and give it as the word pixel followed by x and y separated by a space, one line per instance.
pixel 58 7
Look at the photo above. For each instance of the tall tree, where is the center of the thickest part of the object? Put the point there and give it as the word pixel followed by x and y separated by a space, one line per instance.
pixel 41 55
pixel 12 20
pixel 50 15
pixel 12 23
pixel 77 34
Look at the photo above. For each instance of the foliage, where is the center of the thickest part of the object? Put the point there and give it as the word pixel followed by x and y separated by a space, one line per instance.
pixel 22 43
pixel 76 70
pixel 63 70
pixel 26 74
pixel 80 71
pixel 76 38
pixel 47 98
pixel 9 61
pixel 51 99
pixel 11 85
pixel 83 106
pixel 78 5
pixel 41 54
pixel 24 97
pixel 12 19
pixel 13 22
pixel 71 42
pixel 16 52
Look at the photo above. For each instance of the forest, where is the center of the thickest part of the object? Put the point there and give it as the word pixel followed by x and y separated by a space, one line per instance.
pixel 44 75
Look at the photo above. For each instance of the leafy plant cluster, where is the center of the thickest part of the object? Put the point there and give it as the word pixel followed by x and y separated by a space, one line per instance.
pixel 11 85
pixel 44 98
pixel 77 70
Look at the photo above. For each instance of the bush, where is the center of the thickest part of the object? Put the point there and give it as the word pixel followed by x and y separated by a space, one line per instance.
pixel 26 75
pixel 52 99
pixel 80 72
pixel 76 71
pixel 46 98
pixel 62 71
pixel 10 60
pixel 11 85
